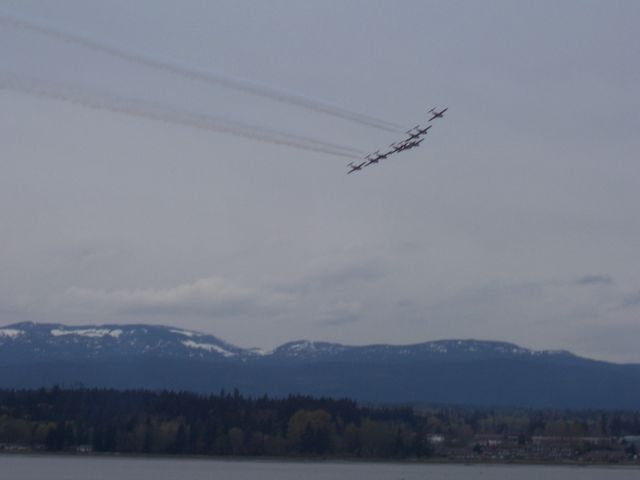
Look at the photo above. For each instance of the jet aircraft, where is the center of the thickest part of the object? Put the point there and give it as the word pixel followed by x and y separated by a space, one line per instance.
pixel 371 159
pixel 378 156
pixel 437 114
pixel 413 135
pixel 417 133
pixel 355 167
pixel 414 144
pixel 397 147
pixel 416 136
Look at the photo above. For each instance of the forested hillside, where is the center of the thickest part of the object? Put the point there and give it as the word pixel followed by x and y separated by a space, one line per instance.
pixel 231 424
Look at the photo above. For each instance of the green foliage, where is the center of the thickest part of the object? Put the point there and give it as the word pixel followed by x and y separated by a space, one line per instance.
pixel 186 423
pixel 230 424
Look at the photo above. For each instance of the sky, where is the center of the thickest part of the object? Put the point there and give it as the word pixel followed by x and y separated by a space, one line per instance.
pixel 184 163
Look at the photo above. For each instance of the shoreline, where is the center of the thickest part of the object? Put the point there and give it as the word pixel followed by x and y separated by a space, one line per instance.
pixel 326 459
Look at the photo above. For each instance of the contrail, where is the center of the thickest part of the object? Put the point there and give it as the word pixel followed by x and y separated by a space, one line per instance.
pixel 208 77
pixel 153 111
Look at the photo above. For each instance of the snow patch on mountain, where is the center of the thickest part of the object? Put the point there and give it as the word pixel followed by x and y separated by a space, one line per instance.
pixel 186 333
pixel 436 347
pixel 306 348
pixel 88 332
pixel 209 347
pixel 11 332
pixel 259 351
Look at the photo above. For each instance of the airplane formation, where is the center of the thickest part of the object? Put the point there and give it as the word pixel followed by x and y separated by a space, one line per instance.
pixel 414 139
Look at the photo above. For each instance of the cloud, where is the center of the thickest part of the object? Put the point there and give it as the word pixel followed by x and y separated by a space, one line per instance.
pixel 612 341
pixel 12 314
pixel 342 313
pixel 598 279
pixel 212 296
pixel 632 300
pixel 541 304
pixel 338 275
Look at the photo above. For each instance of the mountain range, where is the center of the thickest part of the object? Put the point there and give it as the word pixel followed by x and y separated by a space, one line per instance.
pixel 463 372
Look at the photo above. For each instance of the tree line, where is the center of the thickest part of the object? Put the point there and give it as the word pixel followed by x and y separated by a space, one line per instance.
pixel 167 422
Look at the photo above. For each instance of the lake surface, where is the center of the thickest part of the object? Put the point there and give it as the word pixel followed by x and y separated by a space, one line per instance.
pixel 36 467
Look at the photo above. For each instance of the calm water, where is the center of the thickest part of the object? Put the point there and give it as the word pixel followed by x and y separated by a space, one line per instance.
pixel 29 467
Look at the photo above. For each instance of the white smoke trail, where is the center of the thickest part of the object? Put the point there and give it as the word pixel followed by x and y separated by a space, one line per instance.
pixel 103 101
pixel 202 75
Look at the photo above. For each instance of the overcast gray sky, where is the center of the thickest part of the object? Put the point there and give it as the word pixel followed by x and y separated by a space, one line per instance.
pixel 123 200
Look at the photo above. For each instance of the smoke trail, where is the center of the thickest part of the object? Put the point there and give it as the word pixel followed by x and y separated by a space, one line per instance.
pixel 153 111
pixel 203 76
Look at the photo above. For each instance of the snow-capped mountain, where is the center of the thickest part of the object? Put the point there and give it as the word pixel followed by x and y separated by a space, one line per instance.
pixel 445 371
pixel 33 341
pixel 304 349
